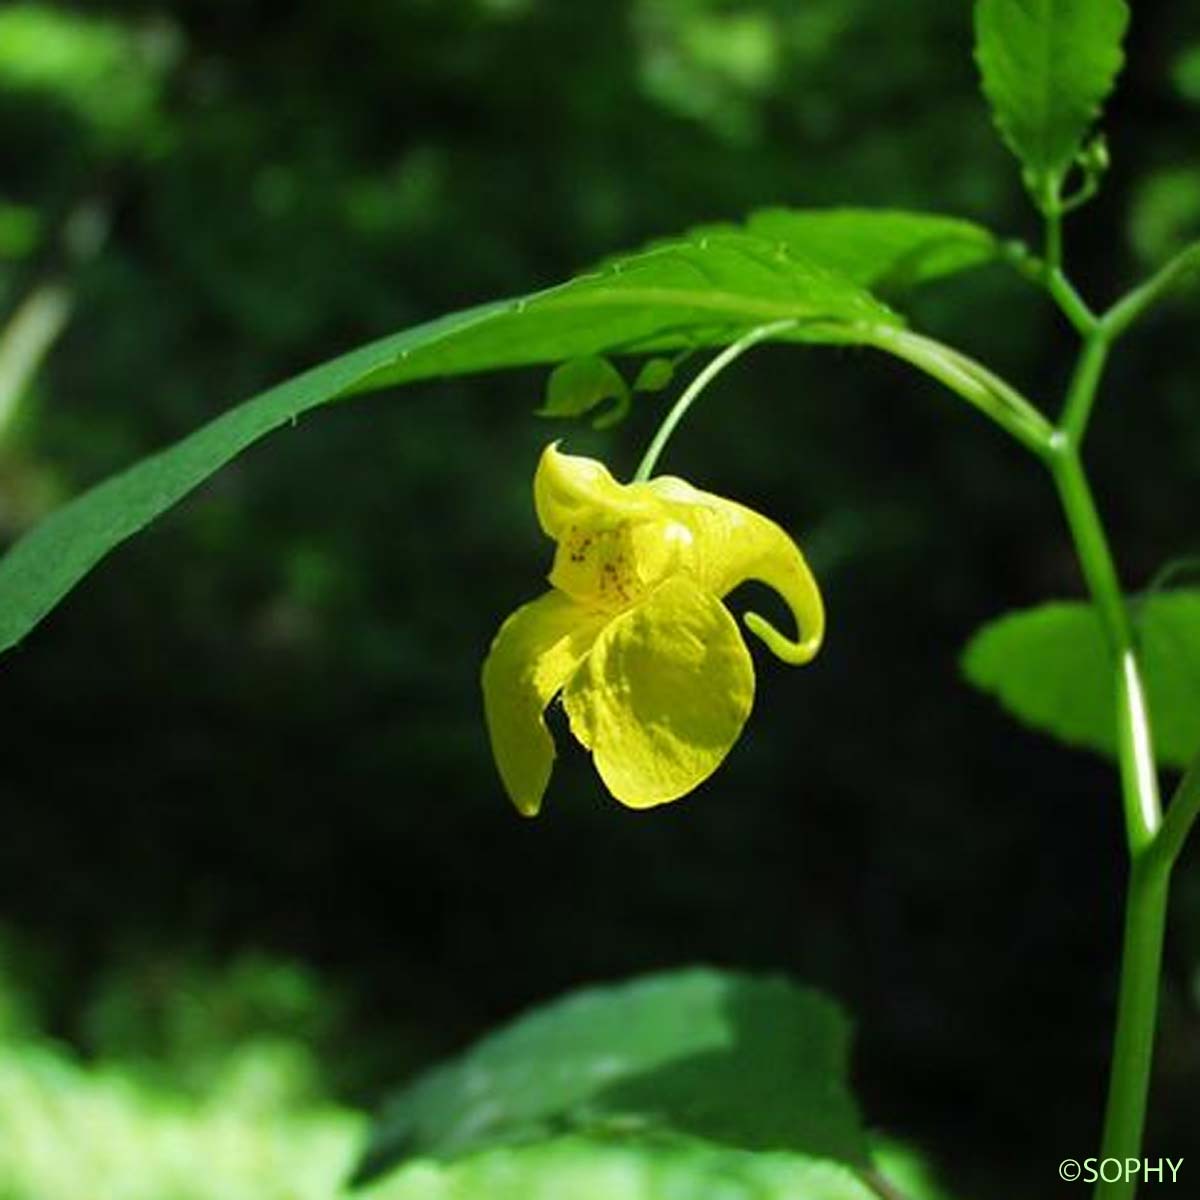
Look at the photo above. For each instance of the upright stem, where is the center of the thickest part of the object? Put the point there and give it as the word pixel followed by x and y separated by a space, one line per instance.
pixel 1153 845
pixel 1149 880
pixel 1137 1015
pixel 1081 395
pixel 1146 898
pixel 1151 854
pixel 1052 213
pixel 1091 544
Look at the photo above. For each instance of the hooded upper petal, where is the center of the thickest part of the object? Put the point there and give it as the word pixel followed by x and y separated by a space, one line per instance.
pixel 663 694
pixel 617 541
pixel 531 658
pixel 573 490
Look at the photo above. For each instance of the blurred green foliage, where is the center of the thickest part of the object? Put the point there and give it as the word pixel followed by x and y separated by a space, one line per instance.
pixel 199 1083
pixel 105 74
pixel 211 1090
pixel 258 725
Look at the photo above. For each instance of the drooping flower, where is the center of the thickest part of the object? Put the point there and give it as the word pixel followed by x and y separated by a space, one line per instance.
pixel 655 677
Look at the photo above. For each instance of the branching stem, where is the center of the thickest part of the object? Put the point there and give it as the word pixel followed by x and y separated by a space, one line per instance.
pixel 1181 817
pixel 1141 299
pixel 1154 844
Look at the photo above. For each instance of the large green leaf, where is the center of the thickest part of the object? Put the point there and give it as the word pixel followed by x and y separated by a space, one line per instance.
pixel 608 1168
pixel 885 249
pixel 703 290
pixel 1047 67
pixel 695 292
pixel 741 1062
pixel 1049 666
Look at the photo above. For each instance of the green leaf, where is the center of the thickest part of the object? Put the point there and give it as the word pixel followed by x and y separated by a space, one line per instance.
pixel 1047 66
pixel 655 375
pixel 742 1062
pixel 578 385
pixel 1049 666
pixel 627 1168
pixel 885 249
pixel 702 292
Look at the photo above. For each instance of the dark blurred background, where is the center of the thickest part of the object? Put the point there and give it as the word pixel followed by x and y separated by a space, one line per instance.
pixel 257 727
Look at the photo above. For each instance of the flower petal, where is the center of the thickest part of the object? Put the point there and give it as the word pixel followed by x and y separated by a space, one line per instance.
pixel 570 490
pixel 663 694
pixel 531 658
pixel 733 544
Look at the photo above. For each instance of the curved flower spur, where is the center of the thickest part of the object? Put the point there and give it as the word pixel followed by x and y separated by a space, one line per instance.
pixel 655 677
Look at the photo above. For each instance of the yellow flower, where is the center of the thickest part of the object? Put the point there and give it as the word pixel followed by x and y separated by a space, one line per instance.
pixel 655 677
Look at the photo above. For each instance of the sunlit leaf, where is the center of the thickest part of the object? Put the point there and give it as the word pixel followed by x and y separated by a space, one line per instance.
pixel 1049 666
pixel 595 1167
pixel 742 1062
pixel 1047 67
pixel 706 291
pixel 880 248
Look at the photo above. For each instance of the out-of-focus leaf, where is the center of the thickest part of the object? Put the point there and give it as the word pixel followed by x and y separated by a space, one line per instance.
pixel 880 248
pixel 108 74
pixel 1164 217
pixel 706 291
pixel 580 384
pixel 20 227
pixel 1047 67
pixel 1185 73
pixel 628 1168
pixel 742 1062
pixel 1049 666
pixel 656 374
pixel 906 1169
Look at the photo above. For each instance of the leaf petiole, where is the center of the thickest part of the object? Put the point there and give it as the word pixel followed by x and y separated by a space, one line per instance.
pixel 1137 302
pixel 1180 817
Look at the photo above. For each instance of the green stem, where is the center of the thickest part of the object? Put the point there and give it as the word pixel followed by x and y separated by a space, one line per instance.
pixel 1072 304
pixel 1135 752
pixel 1154 845
pixel 1146 899
pixel 1052 212
pixel 1149 881
pixel 1181 816
pixel 1053 278
pixel 730 354
pixel 1091 545
pixel 1126 311
pixel 1137 1015
pixel 1081 395
pixel 1168 573
pixel 972 381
